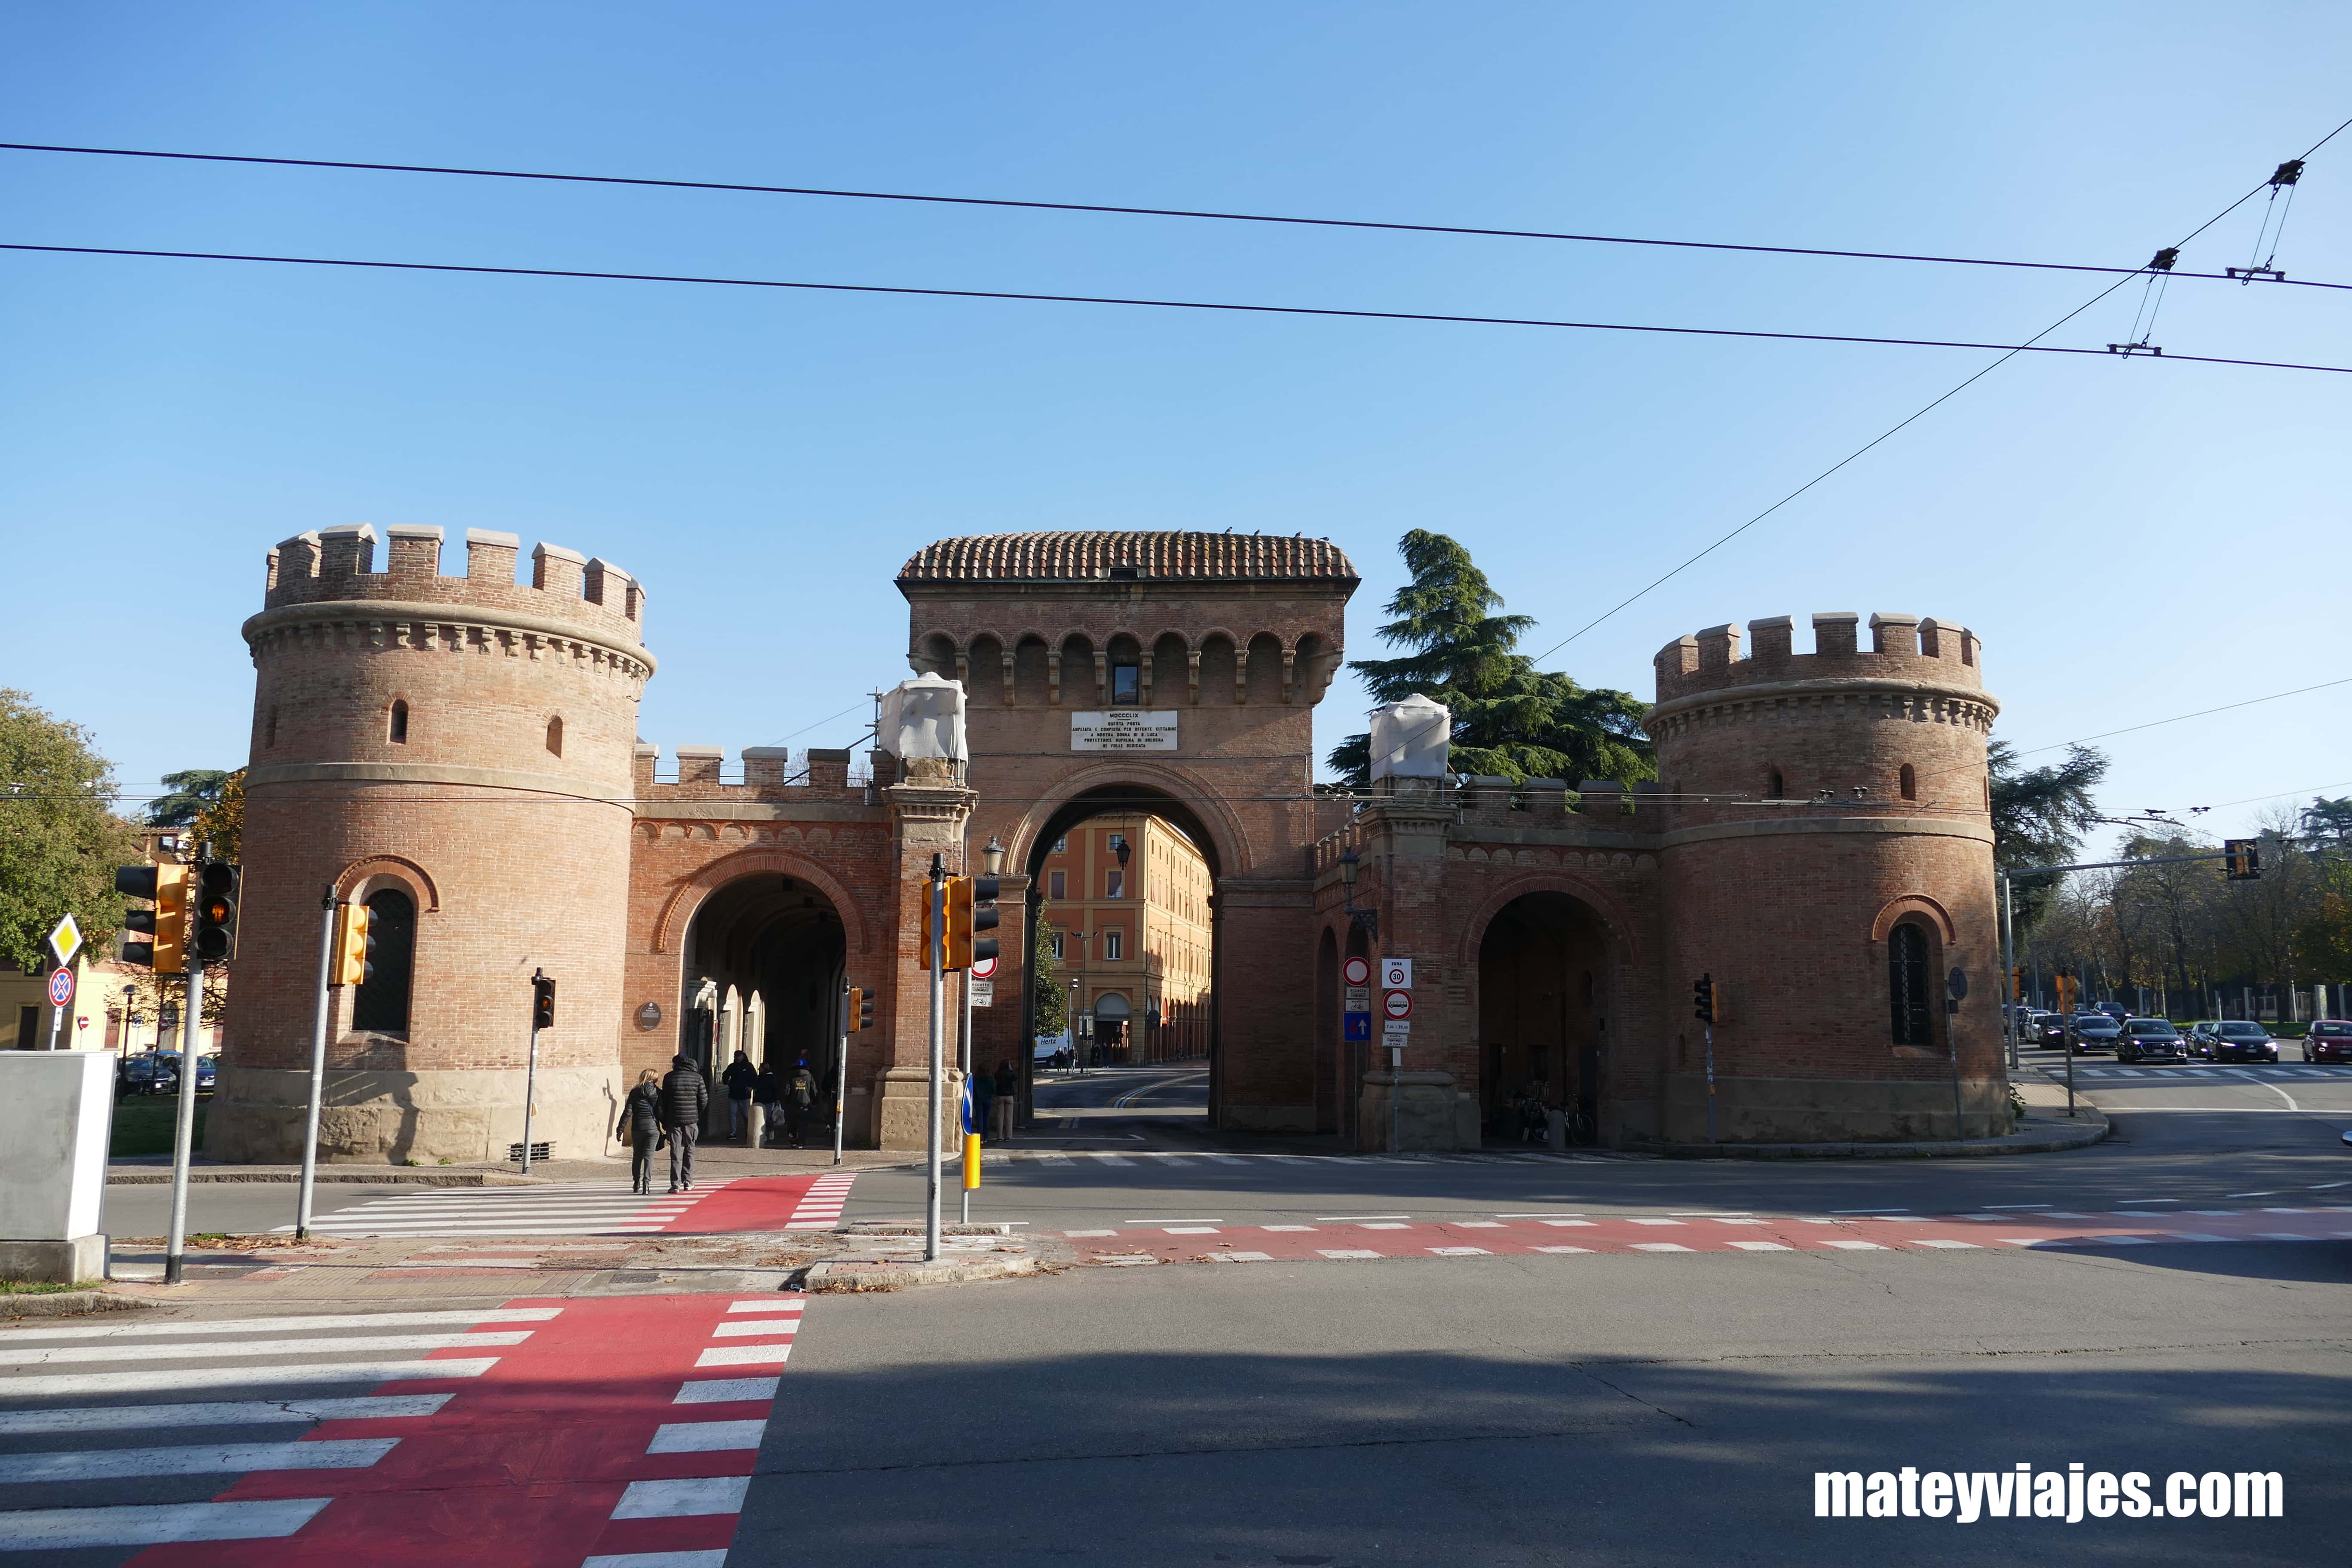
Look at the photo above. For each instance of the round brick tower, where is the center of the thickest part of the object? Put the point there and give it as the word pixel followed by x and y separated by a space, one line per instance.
pixel 1828 861
pixel 455 752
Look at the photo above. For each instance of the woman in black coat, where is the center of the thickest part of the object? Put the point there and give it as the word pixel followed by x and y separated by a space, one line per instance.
pixel 640 1128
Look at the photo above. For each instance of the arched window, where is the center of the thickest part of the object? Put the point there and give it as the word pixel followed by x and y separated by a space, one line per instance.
pixel 1910 782
pixel 381 1003
pixel 1908 963
pixel 399 728
pixel 1775 787
pixel 555 742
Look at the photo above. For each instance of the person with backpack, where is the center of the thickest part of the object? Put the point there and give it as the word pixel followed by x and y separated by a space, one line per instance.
pixel 685 1098
pixel 768 1094
pixel 739 1077
pixel 640 1129
pixel 800 1099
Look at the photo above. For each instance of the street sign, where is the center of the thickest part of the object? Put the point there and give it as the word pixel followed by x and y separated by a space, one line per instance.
pixel 1956 982
pixel 1394 1030
pixel 65 942
pixel 983 969
pixel 61 987
pixel 1359 1026
pixel 982 993
pixel 1397 1003
pixel 1360 999
pixel 1396 973
pixel 1357 971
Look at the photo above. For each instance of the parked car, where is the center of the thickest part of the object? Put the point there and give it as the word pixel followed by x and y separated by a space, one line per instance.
pixel 2330 1040
pixel 2149 1041
pixel 2094 1032
pixel 207 1068
pixel 146 1075
pixel 2232 1040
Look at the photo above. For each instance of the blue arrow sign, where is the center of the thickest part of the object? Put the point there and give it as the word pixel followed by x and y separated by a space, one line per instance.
pixel 1359 1026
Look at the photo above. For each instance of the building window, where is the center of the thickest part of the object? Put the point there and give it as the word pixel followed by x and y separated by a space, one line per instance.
pixel 1908 962
pixel 1114 883
pixel 381 1003
pixel 1062 845
pixel 1126 683
pixel 1057 885
pixel 1114 944
pixel 1117 841
pixel 555 737
pixel 399 730
pixel 1910 783
pixel 1056 943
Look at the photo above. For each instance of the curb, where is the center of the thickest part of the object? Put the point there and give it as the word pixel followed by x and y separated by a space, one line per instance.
pixel 69 1304
pixel 2092 1126
pixel 117 1176
pixel 848 1278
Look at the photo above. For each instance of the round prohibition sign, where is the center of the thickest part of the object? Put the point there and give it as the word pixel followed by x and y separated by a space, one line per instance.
pixel 61 987
pixel 983 969
pixel 1357 971
pixel 1397 1003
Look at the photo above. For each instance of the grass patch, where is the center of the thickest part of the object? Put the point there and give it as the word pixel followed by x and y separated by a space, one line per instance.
pixel 29 1287
pixel 147 1124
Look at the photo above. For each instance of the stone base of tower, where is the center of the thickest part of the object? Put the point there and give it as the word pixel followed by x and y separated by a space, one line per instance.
pixel 411 1118
pixel 1832 1110
pixel 906 1096
pixel 1430 1112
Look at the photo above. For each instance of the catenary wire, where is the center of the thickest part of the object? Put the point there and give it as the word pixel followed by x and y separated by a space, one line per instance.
pixel 2007 350
pixel 1112 208
pixel 1996 364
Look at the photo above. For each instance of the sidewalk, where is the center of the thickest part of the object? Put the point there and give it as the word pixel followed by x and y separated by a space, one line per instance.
pixel 2045 1128
pixel 719 1159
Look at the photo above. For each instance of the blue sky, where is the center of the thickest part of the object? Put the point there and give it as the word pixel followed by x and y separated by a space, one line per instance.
pixel 2132 539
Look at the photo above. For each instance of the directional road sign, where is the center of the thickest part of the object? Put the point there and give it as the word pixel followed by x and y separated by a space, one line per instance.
pixel 1359 1026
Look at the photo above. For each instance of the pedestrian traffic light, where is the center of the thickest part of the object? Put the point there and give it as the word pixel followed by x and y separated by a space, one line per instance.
pixel 165 925
pixel 859 1014
pixel 217 889
pixel 971 908
pixel 2243 859
pixel 1703 999
pixel 354 947
pixel 542 1002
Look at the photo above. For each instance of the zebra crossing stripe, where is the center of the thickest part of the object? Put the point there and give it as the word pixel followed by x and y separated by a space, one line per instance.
pixel 181 1379
pixel 55 1355
pixel 224 1413
pixel 62 1529
pixel 206 1460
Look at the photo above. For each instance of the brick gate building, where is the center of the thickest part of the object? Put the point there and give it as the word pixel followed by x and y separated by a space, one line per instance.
pixel 448 749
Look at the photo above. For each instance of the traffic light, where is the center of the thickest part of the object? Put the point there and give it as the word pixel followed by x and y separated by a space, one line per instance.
pixel 971 908
pixel 166 925
pixel 2243 859
pixel 2065 984
pixel 216 888
pixel 859 1015
pixel 542 1002
pixel 354 947
pixel 1703 999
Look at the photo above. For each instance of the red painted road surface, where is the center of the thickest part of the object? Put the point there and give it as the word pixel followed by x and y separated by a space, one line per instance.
pixel 621 1425
pixel 766 1202
pixel 1566 1235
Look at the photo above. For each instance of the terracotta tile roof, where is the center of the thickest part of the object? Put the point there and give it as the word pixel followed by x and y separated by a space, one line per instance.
pixel 1076 557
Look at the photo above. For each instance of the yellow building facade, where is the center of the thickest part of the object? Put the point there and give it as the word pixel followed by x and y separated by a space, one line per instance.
pixel 1131 937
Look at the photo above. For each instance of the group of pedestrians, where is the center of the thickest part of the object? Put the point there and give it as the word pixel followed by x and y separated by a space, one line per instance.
pixel 664 1114
pixel 784 1102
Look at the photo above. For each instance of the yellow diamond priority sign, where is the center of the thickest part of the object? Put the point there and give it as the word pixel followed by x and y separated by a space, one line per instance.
pixel 65 942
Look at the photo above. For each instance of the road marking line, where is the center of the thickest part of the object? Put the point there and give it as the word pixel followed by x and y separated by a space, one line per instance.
pixel 1189 1229
pixel 1728 1219
pixel 714 1558
pixel 1384 1225
pixel 1855 1246
pixel 1290 1228
pixel 226 1412
pixel 1111 1159
pixel 745 1355
pixel 1474 1224
pixel 1653 1222
pixel 209 1460
pixel 1240 1258
pixel 682 1499
pixel 1565 1224
pixel 2197 1235
pixel 1659 1247
pixel 1948 1246
pixel 1347 1252
pixel 726 1391
pixel 1586 1250
pixel 1225 1159
pixel 1762 1246
pixel 56 1530
pixel 266 1325
pixel 707 1436
pixel 769 1304
pixel 746 1327
pixel 2285 1235
pixel 1075 1233
pixel 1461 1252
pixel 1339 1216
pixel 177 1379
pixel 53 1355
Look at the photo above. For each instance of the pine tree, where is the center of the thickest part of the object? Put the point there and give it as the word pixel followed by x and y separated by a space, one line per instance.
pixel 1510 720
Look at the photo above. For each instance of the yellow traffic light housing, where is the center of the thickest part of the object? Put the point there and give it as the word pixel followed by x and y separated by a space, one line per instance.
pixel 859 1014
pixel 353 946
pixel 972 909
pixel 171 888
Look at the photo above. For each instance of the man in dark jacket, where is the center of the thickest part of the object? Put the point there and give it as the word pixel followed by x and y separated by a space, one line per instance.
pixel 684 1098
pixel 739 1077
pixel 768 1094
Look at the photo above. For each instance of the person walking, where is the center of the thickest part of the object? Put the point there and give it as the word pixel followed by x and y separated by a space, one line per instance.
pixel 684 1098
pixel 739 1077
pixel 983 1098
pixel 640 1129
pixel 768 1094
pixel 800 1099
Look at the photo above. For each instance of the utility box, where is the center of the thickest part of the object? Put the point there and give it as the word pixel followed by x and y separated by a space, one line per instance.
pixel 57 1109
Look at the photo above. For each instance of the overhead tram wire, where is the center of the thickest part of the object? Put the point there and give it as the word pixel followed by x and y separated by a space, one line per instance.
pixel 2008 350
pixel 1208 215
pixel 2031 344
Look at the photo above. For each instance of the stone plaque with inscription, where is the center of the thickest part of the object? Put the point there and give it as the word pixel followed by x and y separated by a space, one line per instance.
pixel 1123 729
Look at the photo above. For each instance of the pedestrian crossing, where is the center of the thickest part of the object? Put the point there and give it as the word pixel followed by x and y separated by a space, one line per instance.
pixel 562 1208
pixel 2261 1074
pixel 820 1207
pixel 1157 1157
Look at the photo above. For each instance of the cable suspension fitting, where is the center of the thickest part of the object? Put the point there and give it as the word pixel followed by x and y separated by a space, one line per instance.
pixel 2151 300
pixel 2288 175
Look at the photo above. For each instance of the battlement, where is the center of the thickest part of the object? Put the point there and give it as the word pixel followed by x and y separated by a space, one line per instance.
pixel 1902 649
pixel 330 564
pixel 701 775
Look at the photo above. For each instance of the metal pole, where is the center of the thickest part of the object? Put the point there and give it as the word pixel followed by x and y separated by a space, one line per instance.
pixel 964 1051
pixel 1710 1082
pixel 530 1076
pixel 2066 1044
pixel 1396 1099
pixel 184 1140
pixel 318 1068
pixel 938 894
pixel 841 1073
pixel 2016 1013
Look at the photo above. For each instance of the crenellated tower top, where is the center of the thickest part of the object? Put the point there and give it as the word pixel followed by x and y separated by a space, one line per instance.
pixel 589 595
pixel 1903 648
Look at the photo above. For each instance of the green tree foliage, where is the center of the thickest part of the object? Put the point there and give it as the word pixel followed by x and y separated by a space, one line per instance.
pixel 1052 1006
pixel 191 791
pixel 2329 821
pixel 1510 719
pixel 59 838
pixel 2039 817
pixel 221 824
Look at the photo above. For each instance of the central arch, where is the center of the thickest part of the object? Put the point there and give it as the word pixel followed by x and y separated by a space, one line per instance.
pixel 763 958
pixel 1544 1001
